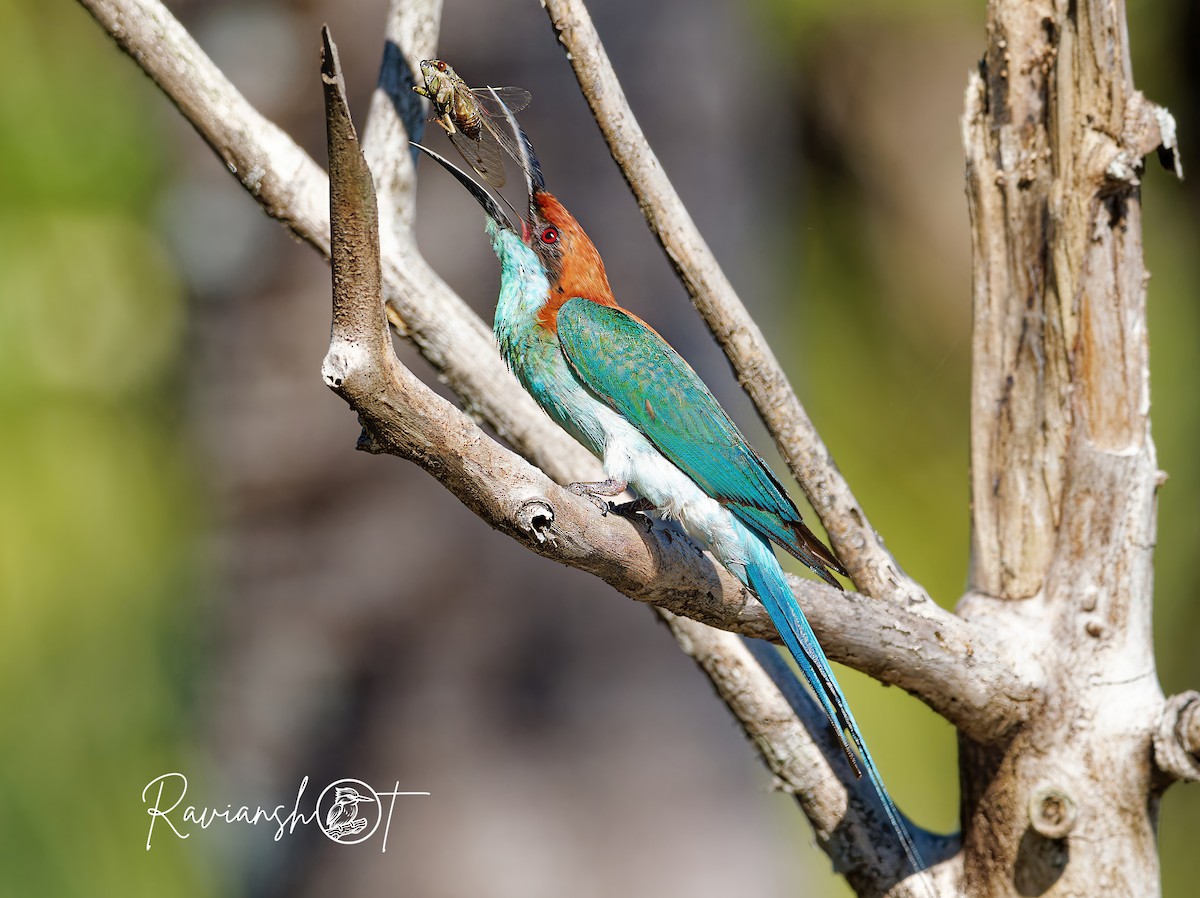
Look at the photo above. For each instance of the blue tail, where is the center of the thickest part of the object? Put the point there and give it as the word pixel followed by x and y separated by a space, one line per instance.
pixel 765 577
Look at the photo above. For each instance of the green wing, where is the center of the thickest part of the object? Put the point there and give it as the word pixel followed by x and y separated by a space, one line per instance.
pixel 635 371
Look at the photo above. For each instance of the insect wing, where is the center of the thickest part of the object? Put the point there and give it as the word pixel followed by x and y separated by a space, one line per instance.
pixel 483 155
pixel 482 152
pixel 492 114
pixel 515 98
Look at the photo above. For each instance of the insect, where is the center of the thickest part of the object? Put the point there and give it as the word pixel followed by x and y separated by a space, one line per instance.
pixel 468 115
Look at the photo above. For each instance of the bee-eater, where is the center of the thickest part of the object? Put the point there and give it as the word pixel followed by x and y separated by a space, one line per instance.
pixel 615 385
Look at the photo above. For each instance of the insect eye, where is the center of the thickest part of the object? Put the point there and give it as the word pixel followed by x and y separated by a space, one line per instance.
pixel 441 66
pixel 550 235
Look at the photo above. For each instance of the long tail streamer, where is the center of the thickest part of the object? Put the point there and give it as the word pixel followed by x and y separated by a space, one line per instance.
pixel 765 577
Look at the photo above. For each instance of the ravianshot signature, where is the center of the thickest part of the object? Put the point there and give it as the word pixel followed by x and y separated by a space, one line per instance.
pixel 348 811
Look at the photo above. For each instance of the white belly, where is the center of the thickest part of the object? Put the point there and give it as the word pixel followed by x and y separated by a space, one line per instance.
pixel 630 457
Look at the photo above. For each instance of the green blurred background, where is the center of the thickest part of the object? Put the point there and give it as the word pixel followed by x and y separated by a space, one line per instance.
pixel 114 599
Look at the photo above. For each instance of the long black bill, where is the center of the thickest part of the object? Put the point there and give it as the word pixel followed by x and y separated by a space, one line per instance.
pixel 485 199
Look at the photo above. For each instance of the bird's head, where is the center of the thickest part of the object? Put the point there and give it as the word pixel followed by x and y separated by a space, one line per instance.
pixel 566 254
pixel 349 793
pixel 571 261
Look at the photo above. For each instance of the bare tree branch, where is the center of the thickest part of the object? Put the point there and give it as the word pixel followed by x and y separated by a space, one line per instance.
pixel 924 650
pixel 1036 196
pixel 397 115
pixel 361 367
pixel 860 548
pixel 459 345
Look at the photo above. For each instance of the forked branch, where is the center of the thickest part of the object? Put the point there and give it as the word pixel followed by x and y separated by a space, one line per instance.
pixel 922 649
pixel 399 414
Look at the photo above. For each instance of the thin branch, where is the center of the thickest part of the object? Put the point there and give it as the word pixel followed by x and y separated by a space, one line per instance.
pixel 362 368
pixel 860 548
pixel 398 114
pixel 280 176
pixel 359 330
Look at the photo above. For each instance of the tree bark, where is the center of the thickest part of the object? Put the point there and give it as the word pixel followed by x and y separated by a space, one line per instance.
pixel 1064 474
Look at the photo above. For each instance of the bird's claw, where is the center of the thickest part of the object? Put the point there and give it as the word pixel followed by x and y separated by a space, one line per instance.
pixel 598 493
pixel 634 511
pixel 599 502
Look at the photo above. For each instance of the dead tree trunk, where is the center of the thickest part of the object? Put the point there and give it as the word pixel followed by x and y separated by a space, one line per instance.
pixel 1063 466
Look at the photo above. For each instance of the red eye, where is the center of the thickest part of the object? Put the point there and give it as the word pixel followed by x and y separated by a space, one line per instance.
pixel 550 235
pixel 441 66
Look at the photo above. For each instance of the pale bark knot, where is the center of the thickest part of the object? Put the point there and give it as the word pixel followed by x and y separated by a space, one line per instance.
pixel 536 516
pixel 1051 812
pixel 1177 740
pixel 334 368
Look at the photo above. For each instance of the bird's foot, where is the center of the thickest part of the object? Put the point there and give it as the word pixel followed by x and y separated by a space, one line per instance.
pixel 634 511
pixel 598 493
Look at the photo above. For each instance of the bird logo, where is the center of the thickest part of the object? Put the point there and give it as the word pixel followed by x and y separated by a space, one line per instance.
pixel 342 820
